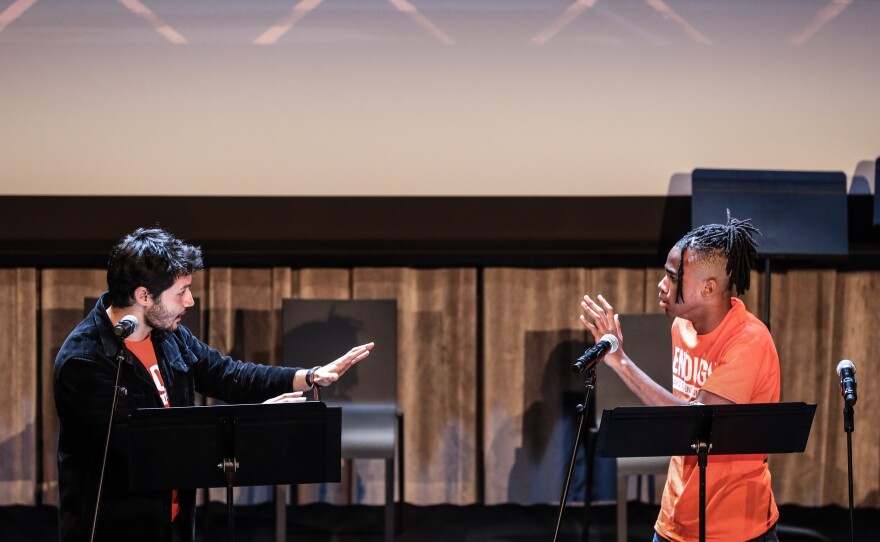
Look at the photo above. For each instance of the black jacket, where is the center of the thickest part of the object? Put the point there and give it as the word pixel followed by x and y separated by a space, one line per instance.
pixel 84 376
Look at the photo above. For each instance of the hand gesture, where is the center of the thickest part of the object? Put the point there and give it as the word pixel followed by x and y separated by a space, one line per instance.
pixel 602 320
pixel 330 373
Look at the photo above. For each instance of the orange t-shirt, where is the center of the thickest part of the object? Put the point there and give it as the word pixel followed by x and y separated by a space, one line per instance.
pixel 737 361
pixel 146 354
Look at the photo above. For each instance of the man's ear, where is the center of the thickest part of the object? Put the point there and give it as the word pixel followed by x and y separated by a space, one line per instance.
pixel 710 286
pixel 141 295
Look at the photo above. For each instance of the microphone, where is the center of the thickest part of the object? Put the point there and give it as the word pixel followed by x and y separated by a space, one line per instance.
pixel 606 345
pixel 126 326
pixel 846 370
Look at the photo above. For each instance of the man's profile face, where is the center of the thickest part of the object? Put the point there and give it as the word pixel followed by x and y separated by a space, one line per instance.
pixel 669 285
pixel 695 284
pixel 166 312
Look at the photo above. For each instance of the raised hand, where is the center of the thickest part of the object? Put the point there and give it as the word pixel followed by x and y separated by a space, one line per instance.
pixel 330 373
pixel 600 319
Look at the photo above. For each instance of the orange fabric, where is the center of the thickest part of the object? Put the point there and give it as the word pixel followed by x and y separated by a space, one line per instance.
pixel 737 361
pixel 146 354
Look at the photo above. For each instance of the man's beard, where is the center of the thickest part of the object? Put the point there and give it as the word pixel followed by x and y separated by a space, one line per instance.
pixel 158 317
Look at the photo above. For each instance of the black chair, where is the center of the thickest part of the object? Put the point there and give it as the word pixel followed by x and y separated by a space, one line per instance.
pixel 318 331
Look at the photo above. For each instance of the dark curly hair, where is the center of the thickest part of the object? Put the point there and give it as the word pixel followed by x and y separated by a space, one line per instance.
pixel 732 241
pixel 152 258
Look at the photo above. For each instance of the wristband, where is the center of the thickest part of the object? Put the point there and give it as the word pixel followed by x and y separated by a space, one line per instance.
pixel 310 375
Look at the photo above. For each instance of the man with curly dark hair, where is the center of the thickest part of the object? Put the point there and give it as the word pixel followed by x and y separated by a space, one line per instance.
pixel 148 277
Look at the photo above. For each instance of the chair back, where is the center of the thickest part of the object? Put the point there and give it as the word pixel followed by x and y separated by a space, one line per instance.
pixel 317 331
pixel 648 342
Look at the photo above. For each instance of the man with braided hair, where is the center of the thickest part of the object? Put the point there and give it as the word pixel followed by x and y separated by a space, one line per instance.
pixel 721 354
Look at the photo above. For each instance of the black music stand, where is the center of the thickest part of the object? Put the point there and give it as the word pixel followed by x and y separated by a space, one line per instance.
pixel 233 445
pixel 703 429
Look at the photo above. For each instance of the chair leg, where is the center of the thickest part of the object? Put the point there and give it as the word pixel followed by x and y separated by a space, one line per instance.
pixel 389 499
pixel 281 513
pixel 398 526
pixel 622 491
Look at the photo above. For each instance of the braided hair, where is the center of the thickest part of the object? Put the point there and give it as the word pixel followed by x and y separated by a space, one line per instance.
pixel 732 241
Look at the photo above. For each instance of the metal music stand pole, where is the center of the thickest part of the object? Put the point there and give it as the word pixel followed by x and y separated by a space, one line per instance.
pixel 117 391
pixel 583 409
pixel 849 427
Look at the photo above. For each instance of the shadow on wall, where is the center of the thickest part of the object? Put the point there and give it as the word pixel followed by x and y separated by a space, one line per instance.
pixel 251 340
pixel 549 424
pixel 318 342
pixel 17 457
pixel 680 184
pixel 863 178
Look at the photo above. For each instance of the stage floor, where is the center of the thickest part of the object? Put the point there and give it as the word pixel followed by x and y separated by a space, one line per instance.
pixel 503 523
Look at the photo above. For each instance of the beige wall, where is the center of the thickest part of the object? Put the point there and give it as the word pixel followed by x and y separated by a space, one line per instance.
pixel 489 98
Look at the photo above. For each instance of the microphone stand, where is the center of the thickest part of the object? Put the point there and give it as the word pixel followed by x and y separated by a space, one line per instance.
pixel 849 427
pixel 589 385
pixel 117 391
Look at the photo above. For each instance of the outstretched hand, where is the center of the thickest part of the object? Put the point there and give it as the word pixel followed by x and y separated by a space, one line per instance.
pixel 330 373
pixel 601 320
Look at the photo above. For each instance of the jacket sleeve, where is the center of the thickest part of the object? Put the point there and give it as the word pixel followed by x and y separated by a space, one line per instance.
pixel 231 380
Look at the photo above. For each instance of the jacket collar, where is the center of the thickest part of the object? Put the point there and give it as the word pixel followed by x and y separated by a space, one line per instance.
pixel 107 339
pixel 110 344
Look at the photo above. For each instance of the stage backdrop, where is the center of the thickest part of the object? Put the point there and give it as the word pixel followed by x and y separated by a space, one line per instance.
pixel 483 370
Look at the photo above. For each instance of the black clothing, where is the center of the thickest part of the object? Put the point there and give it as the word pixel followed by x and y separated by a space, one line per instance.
pixel 84 376
pixel 769 536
